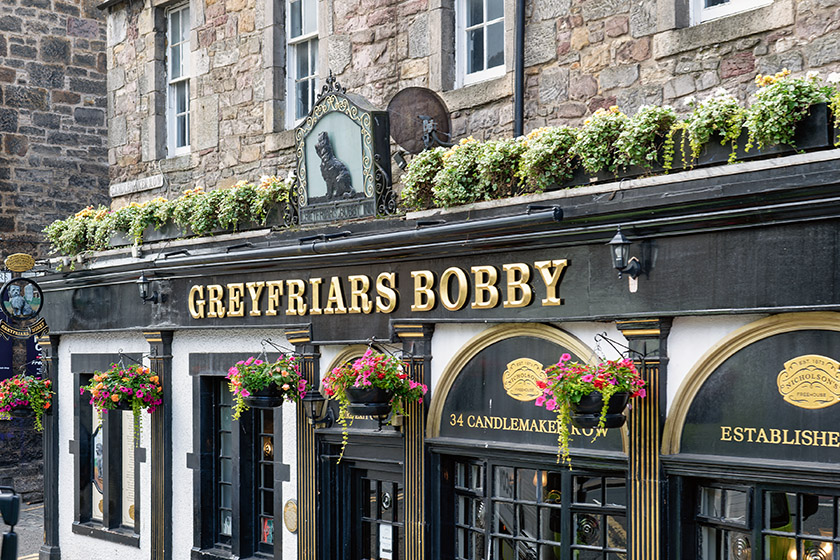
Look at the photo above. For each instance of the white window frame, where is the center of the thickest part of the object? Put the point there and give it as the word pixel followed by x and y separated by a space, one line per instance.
pixel 183 78
pixel 462 78
pixel 699 14
pixel 311 39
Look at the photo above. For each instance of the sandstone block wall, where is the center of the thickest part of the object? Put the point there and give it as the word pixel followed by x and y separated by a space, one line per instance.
pixel 579 54
pixel 53 158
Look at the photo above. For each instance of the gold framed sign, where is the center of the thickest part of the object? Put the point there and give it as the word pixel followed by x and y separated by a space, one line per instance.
pixel 290 516
pixel 810 382
pixel 520 379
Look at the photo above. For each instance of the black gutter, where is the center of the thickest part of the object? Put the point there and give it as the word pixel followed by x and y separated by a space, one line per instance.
pixel 519 71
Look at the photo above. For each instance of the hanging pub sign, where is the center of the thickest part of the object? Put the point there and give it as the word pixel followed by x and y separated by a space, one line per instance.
pixel 21 300
pixel 343 159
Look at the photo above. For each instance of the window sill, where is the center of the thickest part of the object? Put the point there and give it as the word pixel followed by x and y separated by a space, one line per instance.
pixel 119 536
pixel 479 93
pixel 210 554
pixel 778 14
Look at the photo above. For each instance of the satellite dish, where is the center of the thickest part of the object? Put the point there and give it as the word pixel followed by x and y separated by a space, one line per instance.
pixel 419 119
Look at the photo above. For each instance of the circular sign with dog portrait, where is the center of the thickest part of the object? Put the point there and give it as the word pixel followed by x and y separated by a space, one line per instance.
pixel 21 299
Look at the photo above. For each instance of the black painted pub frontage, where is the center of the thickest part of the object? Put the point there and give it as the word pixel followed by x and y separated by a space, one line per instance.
pixel 733 454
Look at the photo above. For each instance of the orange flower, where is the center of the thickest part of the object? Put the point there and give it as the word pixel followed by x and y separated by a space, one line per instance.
pixel 97 378
pixel 153 379
pixel 115 397
pixel 47 405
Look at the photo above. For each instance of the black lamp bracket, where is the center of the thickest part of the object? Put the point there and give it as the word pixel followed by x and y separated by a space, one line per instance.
pixel 624 350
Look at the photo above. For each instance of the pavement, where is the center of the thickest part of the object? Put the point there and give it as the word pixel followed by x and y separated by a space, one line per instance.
pixel 30 530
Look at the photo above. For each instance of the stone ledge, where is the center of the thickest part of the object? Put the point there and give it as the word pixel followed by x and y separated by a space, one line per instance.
pixel 778 14
pixel 136 186
pixel 478 94
pixel 280 141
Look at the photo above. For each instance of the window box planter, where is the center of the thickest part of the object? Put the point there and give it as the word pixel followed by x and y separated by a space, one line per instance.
pixel 368 401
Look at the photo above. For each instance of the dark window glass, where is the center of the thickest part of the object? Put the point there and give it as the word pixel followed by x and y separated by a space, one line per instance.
pixel 224 464
pixel 522 517
pixel 265 479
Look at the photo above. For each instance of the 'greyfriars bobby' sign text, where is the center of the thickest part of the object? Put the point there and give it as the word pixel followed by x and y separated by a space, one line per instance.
pixel 343 162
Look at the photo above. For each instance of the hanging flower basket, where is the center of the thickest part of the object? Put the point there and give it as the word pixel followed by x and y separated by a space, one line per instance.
pixel 25 396
pixel 257 383
pixel 368 401
pixel 588 395
pixel 586 413
pixel 121 387
pixel 374 385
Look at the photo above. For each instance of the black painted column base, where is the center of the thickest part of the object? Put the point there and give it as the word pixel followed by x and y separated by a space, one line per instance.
pixel 49 553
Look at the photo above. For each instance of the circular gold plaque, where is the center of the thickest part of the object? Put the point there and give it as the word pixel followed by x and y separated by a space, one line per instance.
pixel 290 517
pixel 19 262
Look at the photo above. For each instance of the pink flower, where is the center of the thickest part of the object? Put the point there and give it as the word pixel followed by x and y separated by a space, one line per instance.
pixel 587 378
pixel 540 400
pixel 641 393
pixel 246 393
pixel 551 404
pixel 565 357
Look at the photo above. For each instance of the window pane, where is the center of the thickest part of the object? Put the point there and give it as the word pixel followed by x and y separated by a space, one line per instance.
pixel 174 28
pixel 526 485
pixel 495 45
pixel 551 488
pixel 461 475
pixel 477 477
pixel 185 25
pixel 588 490
pixel 616 492
pixel 816 550
pixel 175 63
pixel 313 58
pixel 226 524
pixel 711 544
pixel 736 506
pixel 588 555
pixel 503 519
pixel 296 23
pixel 504 483
pixel 738 545
pixel 528 526
pixel 495 9
pixel 98 468
pixel 779 548
pixel 551 524
pixel 476 546
pixel 710 3
pixel 182 134
pixel 588 529
pixel 616 531
pixel 302 60
pixel 224 496
pixel 817 515
pixel 302 99
pixel 181 97
pixel 711 502
pixel 475 12
pixel 127 419
pixel 475 50
pixel 310 17
pixel 780 512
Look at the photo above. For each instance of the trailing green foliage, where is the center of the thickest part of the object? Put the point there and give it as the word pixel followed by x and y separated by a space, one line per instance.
pixel 548 158
pixel 643 135
pixel 596 145
pixel 419 178
pixel 195 213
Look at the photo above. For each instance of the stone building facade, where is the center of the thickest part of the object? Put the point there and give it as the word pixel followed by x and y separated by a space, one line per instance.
pixel 578 56
pixel 52 116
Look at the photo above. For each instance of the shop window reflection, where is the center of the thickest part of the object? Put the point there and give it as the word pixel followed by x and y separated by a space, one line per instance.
pixel 525 519
pixel 792 525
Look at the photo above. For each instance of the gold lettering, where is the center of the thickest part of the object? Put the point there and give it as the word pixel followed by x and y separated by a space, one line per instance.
pixel 255 290
pixel 807 437
pixel 486 294
pixel 462 287
pixel 359 299
pixel 775 436
pixel 725 433
pixel 386 295
pixel 819 438
pixel 294 293
pixel 471 421
pixel 519 292
pixel 424 297
pixel 315 299
pixel 196 302
pixel 750 432
pixel 551 279
pixel 215 307
pixel 834 439
pixel 335 298
pixel 274 291
pixel 762 436
pixel 738 434
pixel 235 306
